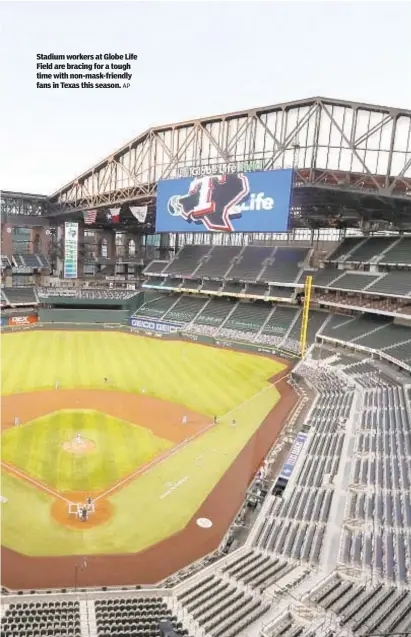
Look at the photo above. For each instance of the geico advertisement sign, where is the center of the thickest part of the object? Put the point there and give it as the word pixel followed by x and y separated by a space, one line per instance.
pixel 154 326
pixel 22 320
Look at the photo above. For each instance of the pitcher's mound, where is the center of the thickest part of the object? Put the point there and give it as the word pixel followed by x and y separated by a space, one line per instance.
pixel 79 445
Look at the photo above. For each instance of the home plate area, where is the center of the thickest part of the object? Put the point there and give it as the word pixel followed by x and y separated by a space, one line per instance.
pixel 82 511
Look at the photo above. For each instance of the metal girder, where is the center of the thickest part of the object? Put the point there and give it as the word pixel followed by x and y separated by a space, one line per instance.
pixel 320 138
pixel 18 203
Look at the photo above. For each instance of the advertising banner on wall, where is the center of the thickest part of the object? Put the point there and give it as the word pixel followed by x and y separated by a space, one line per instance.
pixel 21 321
pixel 236 202
pixel 70 250
pixel 4 320
pixel 294 455
pixel 155 326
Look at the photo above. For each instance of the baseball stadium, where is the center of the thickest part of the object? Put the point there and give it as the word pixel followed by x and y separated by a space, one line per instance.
pixel 206 383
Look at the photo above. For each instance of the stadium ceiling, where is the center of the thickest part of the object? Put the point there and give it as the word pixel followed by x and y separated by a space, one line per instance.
pixel 352 161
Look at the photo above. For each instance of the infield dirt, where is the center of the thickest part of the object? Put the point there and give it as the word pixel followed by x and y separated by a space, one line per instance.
pixel 164 418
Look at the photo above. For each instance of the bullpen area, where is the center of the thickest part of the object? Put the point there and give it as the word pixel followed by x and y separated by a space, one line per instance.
pixel 153 443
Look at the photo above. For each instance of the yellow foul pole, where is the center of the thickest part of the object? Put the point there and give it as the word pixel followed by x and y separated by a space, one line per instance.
pixel 306 309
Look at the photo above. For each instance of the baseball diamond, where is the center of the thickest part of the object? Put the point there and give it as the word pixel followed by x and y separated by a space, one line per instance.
pixel 117 445
pixel 206 335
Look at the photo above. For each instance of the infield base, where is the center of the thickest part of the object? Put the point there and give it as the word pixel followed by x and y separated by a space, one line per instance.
pixel 103 511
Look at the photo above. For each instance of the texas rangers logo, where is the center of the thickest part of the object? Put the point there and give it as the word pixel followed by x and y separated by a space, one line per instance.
pixel 211 201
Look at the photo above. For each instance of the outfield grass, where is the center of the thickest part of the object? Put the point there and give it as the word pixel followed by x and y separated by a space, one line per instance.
pixel 205 379
pixel 147 510
pixel 120 447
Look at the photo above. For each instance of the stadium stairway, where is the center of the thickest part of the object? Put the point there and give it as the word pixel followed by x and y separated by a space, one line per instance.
pixel 267 319
pixel 201 309
pixel 326 277
pixel 399 252
pixel 4 298
pixel 217 261
pixel 157 307
pixel 84 618
pixel 294 343
pixel 213 314
pixel 231 312
pixel 186 260
pixel 245 321
pixel 277 326
pixel 3 610
pixel 174 303
pixel 368 251
pixel 90 611
pixel 234 265
pixel 185 309
pixel 390 251
pixel 363 609
pixel 155 267
pixel 286 265
pixel 250 263
pixel 344 249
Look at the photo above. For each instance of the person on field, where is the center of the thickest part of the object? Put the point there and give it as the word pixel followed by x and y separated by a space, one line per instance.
pixel 233 423
pixel 215 420
pixel 57 385
pixel 184 420
pixel 16 421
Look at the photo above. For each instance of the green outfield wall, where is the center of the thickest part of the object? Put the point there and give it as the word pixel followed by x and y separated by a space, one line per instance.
pixel 68 315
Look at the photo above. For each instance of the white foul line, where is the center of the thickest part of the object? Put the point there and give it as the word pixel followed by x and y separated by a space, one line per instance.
pixel 148 467
pixel 255 395
pixel 39 485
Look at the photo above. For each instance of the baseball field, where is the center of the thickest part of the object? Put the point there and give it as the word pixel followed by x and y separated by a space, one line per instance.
pixel 129 422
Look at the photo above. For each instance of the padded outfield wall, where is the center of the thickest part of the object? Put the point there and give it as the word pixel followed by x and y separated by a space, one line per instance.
pixel 144 327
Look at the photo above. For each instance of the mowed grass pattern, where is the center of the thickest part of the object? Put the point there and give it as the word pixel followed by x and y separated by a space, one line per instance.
pixel 208 380
pixel 147 510
pixel 120 447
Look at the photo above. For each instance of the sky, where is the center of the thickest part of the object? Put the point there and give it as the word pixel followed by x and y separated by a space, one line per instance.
pixel 194 59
